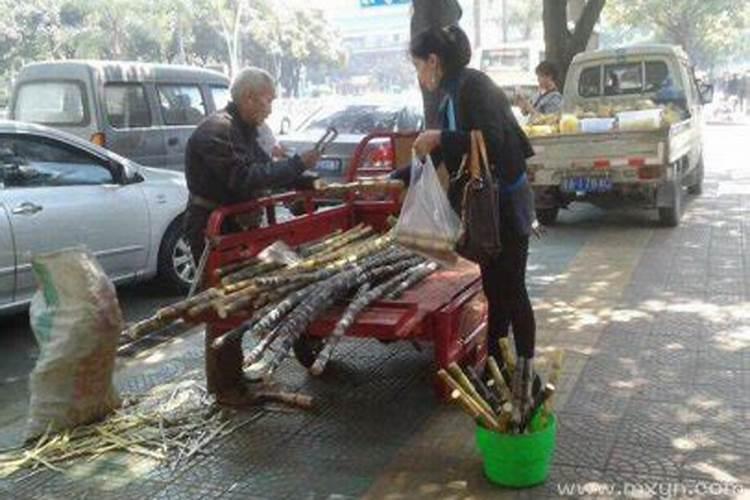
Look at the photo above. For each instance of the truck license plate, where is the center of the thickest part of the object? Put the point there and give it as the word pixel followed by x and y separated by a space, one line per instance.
pixel 598 184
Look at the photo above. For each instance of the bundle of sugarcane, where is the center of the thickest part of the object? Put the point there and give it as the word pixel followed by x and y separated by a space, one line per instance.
pixel 287 320
pixel 173 423
pixel 242 286
pixel 490 400
pixel 364 185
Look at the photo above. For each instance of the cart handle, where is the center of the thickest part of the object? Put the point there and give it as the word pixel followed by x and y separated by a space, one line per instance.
pixel 218 216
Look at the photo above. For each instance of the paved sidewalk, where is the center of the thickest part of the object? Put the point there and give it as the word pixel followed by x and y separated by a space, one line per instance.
pixel 655 390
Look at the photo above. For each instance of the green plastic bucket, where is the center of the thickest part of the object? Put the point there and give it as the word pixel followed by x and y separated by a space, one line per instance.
pixel 518 460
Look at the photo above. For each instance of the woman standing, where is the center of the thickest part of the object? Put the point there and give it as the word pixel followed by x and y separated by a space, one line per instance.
pixel 473 102
pixel 549 99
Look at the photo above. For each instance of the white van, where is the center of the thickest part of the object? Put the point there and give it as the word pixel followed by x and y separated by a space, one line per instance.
pixel 145 112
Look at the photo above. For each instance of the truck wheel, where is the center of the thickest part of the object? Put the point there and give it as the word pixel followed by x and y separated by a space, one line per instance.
pixel 696 188
pixel 670 216
pixel 306 349
pixel 547 216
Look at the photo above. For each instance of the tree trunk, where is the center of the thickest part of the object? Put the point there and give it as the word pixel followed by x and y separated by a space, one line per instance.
pixel 560 44
pixel 427 14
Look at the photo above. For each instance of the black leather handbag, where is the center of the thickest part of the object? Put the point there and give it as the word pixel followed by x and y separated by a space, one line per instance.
pixel 480 205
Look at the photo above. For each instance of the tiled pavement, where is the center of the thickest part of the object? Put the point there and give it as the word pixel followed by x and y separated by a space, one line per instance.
pixel 655 390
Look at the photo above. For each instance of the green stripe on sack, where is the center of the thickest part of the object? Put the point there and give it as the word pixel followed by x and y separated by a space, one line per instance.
pixel 43 326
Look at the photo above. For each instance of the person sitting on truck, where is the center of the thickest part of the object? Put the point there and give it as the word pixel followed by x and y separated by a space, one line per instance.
pixel 474 102
pixel 549 99
pixel 224 165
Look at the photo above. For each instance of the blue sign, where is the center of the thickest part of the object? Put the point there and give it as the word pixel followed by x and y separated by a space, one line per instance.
pixel 381 3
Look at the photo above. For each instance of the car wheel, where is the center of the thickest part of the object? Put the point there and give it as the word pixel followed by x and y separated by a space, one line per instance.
pixel 176 265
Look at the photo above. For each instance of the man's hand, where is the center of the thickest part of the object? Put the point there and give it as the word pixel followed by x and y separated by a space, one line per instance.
pixel 426 142
pixel 310 158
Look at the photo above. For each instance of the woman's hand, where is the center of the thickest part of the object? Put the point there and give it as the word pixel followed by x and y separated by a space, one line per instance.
pixel 426 142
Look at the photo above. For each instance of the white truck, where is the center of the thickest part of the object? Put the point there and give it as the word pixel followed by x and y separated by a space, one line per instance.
pixel 624 165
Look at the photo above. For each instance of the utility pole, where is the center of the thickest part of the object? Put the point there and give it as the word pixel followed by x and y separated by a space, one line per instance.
pixel 477 23
pixel 505 21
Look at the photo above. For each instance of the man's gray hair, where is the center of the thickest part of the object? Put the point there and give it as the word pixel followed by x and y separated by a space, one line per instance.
pixel 250 79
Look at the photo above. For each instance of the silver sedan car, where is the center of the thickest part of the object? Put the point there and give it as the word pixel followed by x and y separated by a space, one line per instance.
pixel 354 120
pixel 57 191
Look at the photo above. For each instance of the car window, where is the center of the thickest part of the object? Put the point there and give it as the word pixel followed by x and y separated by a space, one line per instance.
pixel 31 161
pixel 589 82
pixel 51 103
pixel 181 104
pixel 220 95
pixel 126 105
pixel 656 76
pixel 622 79
pixel 361 119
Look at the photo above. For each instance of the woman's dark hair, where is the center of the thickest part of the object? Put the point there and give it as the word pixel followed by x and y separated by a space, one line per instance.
pixel 546 68
pixel 450 44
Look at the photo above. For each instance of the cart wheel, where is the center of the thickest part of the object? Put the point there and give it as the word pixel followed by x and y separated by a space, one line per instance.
pixel 306 349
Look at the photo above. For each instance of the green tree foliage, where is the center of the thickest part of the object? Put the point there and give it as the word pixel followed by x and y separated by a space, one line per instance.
pixel 232 33
pixel 709 30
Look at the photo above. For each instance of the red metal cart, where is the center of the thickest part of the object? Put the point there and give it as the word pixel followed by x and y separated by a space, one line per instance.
pixel 447 308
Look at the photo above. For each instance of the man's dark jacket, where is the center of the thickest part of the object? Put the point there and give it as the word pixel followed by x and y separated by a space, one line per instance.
pixel 224 164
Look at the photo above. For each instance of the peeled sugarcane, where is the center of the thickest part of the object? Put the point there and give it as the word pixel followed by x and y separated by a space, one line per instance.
pixel 500 385
pixel 458 374
pixel 365 296
pixel 428 243
pixel 371 185
pixel 507 354
pixel 417 274
pixel 331 290
pixel 469 402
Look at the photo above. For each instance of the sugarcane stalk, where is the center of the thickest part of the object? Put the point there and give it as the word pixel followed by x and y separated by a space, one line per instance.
pixel 539 401
pixel 365 296
pixel 501 385
pixel 331 290
pixel 556 362
pixel 343 324
pixel 461 378
pixel 507 354
pixel 288 398
pixel 166 315
pixel 476 409
pixel 482 389
pixel 260 348
pixel 417 275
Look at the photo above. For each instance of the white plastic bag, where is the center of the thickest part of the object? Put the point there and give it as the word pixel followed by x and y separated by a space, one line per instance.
pixel 76 320
pixel 427 223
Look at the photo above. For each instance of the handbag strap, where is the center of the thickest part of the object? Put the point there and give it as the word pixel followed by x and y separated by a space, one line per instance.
pixel 478 160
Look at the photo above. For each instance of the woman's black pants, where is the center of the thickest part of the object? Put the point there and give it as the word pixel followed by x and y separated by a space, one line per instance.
pixel 504 284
